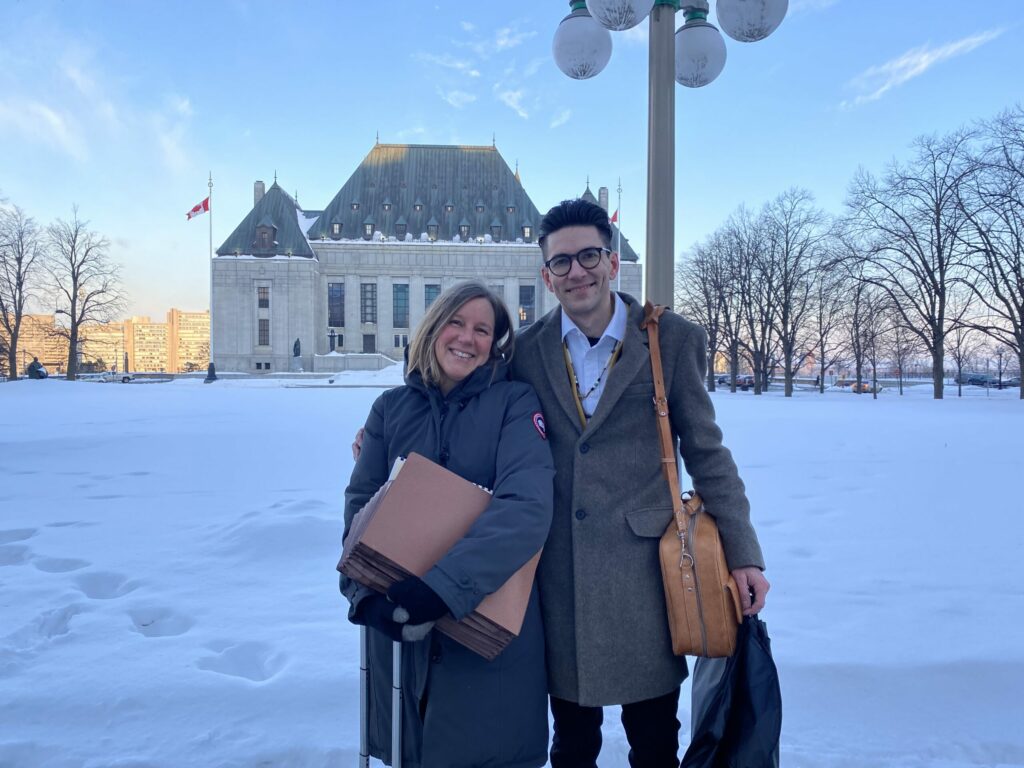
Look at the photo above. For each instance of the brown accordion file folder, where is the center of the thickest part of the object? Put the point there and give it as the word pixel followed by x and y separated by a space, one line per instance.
pixel 411 523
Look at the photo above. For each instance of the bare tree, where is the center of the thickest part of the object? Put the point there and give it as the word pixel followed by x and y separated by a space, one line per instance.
pixel 902 346
pixel 701 293
pixel 993 204
pixel 84 282
pixel 830 292
pixel 754 272
pixel 21 251
pixel 910 223
pixel 795 229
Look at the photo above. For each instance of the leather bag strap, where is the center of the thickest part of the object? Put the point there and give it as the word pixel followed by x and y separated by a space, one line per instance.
pixel 652 314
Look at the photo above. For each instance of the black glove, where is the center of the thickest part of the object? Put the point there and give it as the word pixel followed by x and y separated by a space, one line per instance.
pixel 377 612
pixel 422 603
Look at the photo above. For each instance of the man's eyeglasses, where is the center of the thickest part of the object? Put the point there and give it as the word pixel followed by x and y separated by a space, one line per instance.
pixel 560 265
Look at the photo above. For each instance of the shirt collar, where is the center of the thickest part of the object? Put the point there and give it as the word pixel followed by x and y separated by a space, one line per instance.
pixel 616 329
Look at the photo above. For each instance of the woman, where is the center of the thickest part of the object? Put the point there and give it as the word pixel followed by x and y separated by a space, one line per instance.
pixel 460 409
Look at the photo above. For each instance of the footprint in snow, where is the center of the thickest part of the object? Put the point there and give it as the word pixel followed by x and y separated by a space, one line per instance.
pixel 59 564
pixel 105 585
pixel 45 626
pixel 252 660
pixel 17 534
pixel 153 621
pixel 14 555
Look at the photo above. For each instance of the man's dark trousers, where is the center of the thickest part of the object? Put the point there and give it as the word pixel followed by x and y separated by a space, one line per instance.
pixel 652 731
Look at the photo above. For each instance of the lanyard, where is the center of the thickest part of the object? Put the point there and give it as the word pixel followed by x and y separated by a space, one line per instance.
pixel 574 383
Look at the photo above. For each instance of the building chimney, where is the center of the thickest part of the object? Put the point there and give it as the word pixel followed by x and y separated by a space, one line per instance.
pixel 602 198
pixel 258 190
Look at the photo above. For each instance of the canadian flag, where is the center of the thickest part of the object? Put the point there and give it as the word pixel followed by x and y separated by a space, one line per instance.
pixel 615 217
pixel 202 207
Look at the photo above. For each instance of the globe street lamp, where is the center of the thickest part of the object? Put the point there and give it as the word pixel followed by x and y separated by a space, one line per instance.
pixel 694 55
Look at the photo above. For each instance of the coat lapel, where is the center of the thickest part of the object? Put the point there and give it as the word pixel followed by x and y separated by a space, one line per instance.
pixel 632 359
pixel 553 359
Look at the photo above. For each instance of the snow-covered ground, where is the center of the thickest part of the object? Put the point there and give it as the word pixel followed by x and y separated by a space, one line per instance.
pixel 168 594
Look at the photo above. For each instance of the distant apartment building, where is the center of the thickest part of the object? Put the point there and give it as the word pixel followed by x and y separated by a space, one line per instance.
pixel 38 337
pixel 146 344
pixel 102 344
pixel 188 340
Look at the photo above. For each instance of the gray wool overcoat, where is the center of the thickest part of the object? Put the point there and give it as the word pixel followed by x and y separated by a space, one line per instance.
pixel 605 627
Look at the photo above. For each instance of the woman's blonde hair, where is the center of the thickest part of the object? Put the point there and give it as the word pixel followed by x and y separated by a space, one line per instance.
pixel 422 357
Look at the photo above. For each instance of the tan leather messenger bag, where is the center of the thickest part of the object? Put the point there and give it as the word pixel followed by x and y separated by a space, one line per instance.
pixel 701 596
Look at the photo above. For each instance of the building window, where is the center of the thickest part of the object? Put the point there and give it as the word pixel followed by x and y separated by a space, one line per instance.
pixel 400 303
pixel 386 205
pixel 264 333
pixel 496 232
pixel 430 292
pixel 266 366
pixel 464 231
pixel 368 302
pixel 417 207
pixel 263 297
pixel 432 232
pixel 369 342
pixel 355 205
pixel 340 342
pixel 401 340
pixel 367 231
pixel 336 305
pixel 527 232
pixel 263 240
pixel 526 307
pixel 510 209
pixel 336 229
pixel 448 207
pixel 259 366
pixel 400 230
pixel 479 206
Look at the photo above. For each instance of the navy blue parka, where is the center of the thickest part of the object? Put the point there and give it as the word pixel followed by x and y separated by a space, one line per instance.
pixel 461 710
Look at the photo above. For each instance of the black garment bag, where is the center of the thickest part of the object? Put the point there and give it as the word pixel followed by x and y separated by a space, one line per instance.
pixel 737 706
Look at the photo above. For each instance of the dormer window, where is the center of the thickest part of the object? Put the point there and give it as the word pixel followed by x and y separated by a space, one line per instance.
pixel 510 209
pixel 495 231
pixel 263 240
pixel 266 233
pixel 386 204
pixel 355 205
pixel 336 230
pixel 479 206
pixel 527 232
pixel 464 231
pixel 417 206
pixel 401 227
pixel 432 229
pixel 448 207
pixel 368 227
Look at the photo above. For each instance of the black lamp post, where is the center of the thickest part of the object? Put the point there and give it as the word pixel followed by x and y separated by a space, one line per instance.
pixel 331 335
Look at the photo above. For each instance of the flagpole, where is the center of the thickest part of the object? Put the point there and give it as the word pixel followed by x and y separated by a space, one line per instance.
pixel 618 238
pixel 210 211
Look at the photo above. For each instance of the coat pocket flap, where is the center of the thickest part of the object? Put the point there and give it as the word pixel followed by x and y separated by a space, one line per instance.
pixel 649 521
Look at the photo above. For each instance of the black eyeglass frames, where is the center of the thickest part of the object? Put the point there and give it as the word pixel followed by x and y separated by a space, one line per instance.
pixel 588 258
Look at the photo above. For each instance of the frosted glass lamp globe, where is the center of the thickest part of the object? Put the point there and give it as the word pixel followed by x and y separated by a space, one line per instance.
pixel 581 47
pixel 700 54
pixel 619 14
pixel 750 20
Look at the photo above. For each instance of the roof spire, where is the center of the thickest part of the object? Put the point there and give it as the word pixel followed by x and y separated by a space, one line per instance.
pixel 275 176
pixel 296 196
pixel 378 137
pixel 517 171
pixel 494 140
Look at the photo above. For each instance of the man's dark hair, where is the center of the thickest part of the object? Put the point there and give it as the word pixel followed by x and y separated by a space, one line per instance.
pixel 575 213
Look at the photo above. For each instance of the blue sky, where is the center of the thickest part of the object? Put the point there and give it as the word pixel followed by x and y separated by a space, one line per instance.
pixel 123 107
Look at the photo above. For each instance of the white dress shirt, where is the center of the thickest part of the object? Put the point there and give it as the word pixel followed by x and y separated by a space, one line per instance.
pixel 590 362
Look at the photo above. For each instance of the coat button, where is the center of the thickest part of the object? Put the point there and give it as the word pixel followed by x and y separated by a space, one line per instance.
pixel 580 514
pixel 584 447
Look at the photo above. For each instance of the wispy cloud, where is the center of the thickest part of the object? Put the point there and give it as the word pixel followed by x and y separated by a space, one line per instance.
pixel 876 81
pixel 534 65
pixel 514 101
pixel 36 121
pixel 509 37
pixel 467 26
pixel 800 6
pixel 504 39
pixel 561 119
pixel 448 62
pixel 457 99
pixel 180 105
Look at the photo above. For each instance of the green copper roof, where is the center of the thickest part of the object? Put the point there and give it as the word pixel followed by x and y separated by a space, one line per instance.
pixel 404 175
pixel 277 209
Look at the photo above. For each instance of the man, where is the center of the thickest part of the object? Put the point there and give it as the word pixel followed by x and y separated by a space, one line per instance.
pixel 606 631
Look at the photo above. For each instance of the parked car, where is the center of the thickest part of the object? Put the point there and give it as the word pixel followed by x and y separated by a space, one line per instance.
pixel 722 378
pixel 1012 382
pixel 745 381
pixel 981 380
pixel 123 377
pixel 865 386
